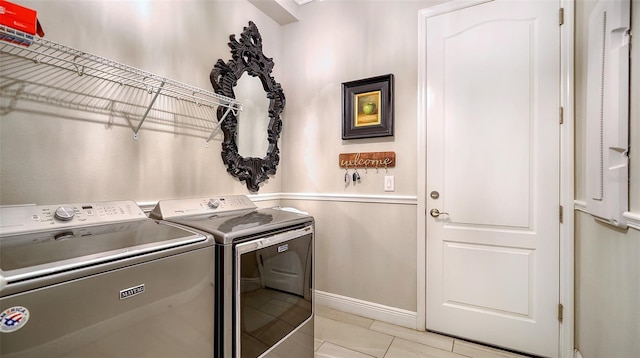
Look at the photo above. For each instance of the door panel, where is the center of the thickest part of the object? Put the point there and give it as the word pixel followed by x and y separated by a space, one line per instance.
pixel 481 82
pixel 493 155
pixel 482 286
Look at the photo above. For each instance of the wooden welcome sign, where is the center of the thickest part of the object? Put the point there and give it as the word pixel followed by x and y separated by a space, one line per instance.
pixel 368 160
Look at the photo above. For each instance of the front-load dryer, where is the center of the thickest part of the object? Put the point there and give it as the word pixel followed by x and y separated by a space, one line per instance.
pixel 264 273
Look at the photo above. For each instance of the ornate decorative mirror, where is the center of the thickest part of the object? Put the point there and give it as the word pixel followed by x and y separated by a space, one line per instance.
pixel 247 57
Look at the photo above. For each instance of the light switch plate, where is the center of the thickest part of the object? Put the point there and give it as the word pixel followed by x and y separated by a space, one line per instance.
pixel 389 183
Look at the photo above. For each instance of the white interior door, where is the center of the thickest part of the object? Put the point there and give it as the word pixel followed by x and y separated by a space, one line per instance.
pixel 493 89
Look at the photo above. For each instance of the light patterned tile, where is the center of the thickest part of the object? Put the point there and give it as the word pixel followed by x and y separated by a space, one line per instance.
pixel 479 351
pixel 296 345
pixel 343 316
pixel 352 337
pixel 316 344
pixel 329 350
pixel 426 338
pixel 347 335
pixel 402 348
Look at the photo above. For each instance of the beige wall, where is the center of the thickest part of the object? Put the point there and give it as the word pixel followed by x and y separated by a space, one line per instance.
pixel 607 259
pixel 366 251
pixel 72 156
pixel 340 41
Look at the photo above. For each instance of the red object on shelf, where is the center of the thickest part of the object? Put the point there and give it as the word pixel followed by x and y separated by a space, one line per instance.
pixel 21 19
pixel 18 17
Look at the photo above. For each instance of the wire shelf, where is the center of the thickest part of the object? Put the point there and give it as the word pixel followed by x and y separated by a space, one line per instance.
pixel 55 74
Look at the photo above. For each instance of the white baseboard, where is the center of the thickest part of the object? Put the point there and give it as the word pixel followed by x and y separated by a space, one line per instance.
pixel 393 315
pixel 576 354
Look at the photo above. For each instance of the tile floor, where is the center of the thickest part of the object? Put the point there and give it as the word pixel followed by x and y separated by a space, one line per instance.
pixel 343 335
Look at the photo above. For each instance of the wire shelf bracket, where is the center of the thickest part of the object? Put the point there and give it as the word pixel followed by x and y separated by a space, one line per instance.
pixel 146 113
pixel 215 129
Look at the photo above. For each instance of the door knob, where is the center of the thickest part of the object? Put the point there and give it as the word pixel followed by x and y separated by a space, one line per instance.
pixel 435 213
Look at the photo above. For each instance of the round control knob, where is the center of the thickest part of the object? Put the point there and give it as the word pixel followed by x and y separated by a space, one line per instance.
pixel 64 236
pixel 214 203
pixel 65 213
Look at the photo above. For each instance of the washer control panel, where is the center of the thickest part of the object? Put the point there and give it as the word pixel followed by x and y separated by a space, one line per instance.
pixel 175 208
pixel 32 218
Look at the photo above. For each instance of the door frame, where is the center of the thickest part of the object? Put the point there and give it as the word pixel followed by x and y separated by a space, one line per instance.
pixel 566 339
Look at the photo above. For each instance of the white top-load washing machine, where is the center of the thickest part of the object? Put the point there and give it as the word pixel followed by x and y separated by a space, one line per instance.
pixel 103 280
pixel 264 273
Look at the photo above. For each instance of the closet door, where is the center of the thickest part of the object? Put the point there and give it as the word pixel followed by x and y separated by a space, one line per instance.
pixel 493 133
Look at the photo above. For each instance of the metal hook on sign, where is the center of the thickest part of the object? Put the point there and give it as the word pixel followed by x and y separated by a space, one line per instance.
pixel 79 69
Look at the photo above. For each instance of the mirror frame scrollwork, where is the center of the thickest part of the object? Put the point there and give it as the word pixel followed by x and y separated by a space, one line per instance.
pixel 247 56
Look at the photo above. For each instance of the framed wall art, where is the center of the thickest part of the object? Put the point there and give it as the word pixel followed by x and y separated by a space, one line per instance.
pixel 367 108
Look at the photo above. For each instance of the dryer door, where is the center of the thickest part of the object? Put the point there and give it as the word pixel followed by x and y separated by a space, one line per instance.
pixel 273 289
pixel 283 267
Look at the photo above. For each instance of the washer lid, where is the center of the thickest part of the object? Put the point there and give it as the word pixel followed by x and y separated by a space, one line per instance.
pixel 25 256
pixel 229 227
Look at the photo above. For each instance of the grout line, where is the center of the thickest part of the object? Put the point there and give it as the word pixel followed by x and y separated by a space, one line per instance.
pixel 371 324
pixel 387 351
pixel 453 347
pixel 353 350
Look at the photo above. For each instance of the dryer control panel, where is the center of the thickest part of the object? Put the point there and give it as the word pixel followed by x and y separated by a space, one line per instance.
pixel 176 208
pixel 33 218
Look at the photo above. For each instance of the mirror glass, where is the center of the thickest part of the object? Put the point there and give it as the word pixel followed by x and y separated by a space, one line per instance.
pixel 253 120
